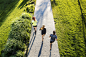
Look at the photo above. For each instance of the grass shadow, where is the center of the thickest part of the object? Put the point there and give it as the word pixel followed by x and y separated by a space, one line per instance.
pixel 54 4
pixel 6 7
pixel 22 4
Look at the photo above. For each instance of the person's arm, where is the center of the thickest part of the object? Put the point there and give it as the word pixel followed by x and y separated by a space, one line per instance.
pixel 50 35
pixel 36 20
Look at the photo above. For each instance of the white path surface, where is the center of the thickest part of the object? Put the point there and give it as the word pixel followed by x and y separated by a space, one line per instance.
pixel 44 16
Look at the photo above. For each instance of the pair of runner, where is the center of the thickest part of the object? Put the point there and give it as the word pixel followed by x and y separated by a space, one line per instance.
pixel 43 31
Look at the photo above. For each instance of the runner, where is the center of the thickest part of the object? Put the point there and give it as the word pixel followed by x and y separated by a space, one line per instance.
pixel 43 31
pixel 53 37
pixel 34 23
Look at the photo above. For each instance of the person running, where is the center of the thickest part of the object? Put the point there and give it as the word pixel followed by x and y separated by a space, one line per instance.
pixel 53 37
pixel 43 31
pixel 34 23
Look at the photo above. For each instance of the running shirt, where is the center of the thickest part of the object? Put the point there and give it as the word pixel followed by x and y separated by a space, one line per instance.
pixel 53 37
pixel 43 31
pixel 34 22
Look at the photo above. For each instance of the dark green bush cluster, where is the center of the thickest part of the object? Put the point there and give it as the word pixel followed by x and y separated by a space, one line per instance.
pixel 12 46
pixel 21 30
pixel 18 37
pixel 26 15
pixel 30 7
pixel 69 28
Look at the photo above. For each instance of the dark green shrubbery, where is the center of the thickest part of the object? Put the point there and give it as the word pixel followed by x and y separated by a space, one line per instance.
pixel 12 46
pixel 20 30
pixel 26 16
pixel 18 37
pixel 20 54
pixel 30 8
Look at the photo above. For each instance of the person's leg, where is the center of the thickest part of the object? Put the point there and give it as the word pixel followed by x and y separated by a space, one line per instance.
pixel 35 30
pixel 42 37
pixel 50 45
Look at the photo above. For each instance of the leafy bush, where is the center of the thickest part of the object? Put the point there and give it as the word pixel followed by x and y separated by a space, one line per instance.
pixel 26 15
pixel 12 46
pixel 20 53
pixel 21 30
pixel 30 8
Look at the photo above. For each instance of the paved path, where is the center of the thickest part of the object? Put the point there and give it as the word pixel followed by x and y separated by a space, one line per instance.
pixel 44 16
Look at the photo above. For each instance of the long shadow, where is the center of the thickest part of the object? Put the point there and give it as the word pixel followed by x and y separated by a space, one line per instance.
pixel 40 49
pixel 50 54
pixel 22 4
pixel 6 7
pixel 31 45
pixel 50 51
pixel 31 39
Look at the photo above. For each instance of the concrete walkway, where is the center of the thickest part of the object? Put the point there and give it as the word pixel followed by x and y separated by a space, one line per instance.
pixel 44 16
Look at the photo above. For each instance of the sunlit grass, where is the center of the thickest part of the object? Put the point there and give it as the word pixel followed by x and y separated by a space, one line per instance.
pixel 69 27
pixel 5 27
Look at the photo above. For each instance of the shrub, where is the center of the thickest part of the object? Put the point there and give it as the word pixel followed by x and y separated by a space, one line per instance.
pixel 12 46
pixel 20 53
pixel 30 8
pixel 21 30
pixel 26 16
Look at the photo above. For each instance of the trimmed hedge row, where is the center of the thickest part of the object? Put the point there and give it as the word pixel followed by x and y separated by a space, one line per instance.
pixel 69 28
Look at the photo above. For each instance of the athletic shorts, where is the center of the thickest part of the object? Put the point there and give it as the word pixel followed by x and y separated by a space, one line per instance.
pixel 51 41
pixel 35 26
pixel 42 33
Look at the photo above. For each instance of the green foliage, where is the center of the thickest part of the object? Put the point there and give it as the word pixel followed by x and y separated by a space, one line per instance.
pixel 30 8
pixel 12 46
pixel 26 15
pixel 10 12
pixel 20 54
pixel 18 37
pixel 21 30
pixel 69 28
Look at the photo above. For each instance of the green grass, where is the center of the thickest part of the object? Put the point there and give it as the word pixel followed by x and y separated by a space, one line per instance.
pixel 69 28
pixel 7 17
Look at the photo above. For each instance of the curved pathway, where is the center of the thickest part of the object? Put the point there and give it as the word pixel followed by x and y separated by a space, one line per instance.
pixel 44 16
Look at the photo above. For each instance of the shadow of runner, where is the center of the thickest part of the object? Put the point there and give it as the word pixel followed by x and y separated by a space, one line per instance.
pixel 50 54
pixel 31 39
pixel 40 49
pixel 31 44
